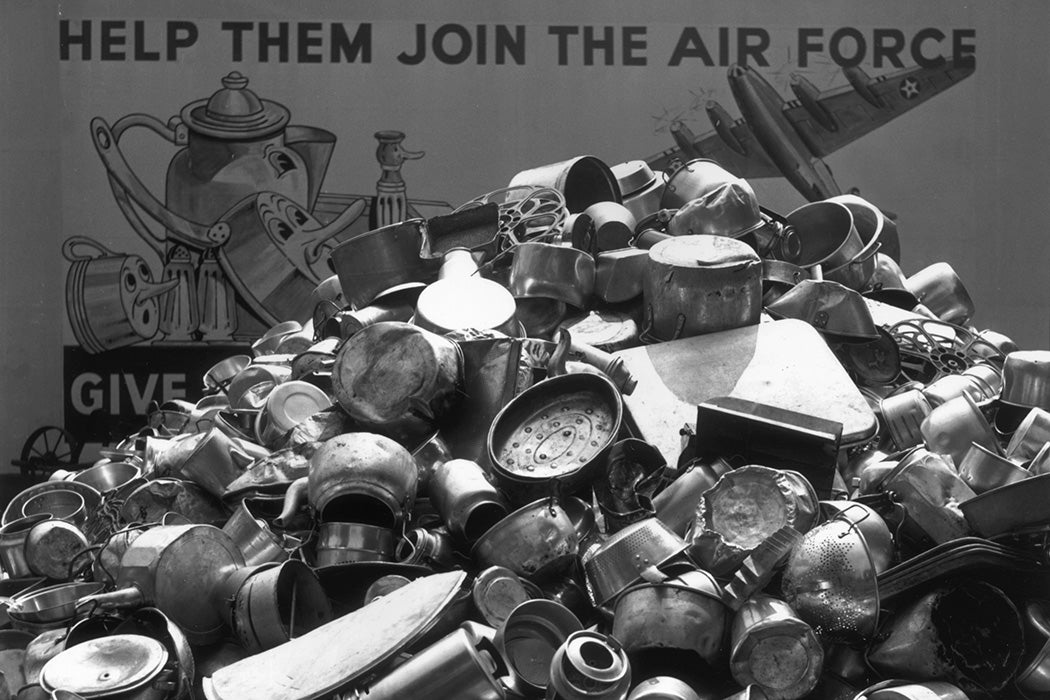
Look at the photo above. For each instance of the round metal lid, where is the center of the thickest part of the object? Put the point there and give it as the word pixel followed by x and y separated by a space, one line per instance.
pixel 235 112
pixel 292 402
pixel 701 251
pixel 497 591
pixel 105 666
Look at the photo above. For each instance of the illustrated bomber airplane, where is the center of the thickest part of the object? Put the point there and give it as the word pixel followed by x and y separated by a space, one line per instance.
pixel 776 137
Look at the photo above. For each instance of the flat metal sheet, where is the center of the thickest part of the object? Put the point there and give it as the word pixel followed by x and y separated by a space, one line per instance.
pixel 336 654
pixel 785 364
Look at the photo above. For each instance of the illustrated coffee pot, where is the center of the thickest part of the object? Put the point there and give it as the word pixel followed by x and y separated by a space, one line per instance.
pixel 236 148
pixel 234 145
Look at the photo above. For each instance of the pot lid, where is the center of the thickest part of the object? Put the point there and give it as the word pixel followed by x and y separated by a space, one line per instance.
pixel 105 666
pixel 235 112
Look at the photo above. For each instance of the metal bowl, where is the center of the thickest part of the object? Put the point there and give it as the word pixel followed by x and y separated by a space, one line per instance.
pixel 92 498
pixel 109 476
pixel 51 604
pixel 60 504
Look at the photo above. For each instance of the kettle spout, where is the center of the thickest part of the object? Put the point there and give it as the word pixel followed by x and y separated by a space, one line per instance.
pixel 293 500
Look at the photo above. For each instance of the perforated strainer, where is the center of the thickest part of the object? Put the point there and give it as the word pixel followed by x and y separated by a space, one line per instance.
pixel 830 581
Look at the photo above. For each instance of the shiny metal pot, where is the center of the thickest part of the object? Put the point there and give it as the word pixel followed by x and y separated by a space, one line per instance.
pixel 701 284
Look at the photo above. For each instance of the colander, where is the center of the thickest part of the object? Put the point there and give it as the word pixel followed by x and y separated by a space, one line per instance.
pixel 830 582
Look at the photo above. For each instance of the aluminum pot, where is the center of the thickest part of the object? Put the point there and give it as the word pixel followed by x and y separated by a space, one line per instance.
pixel 52 604
pixel 939 289
pixel 369 264
pixel 544 270
pixel 684 613
pixel 536 541
pixel 398 380
pixel 826 234
pixel 692 180
pixel 701 284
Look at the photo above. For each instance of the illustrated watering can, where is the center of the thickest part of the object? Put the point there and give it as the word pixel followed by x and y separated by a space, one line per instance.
pixel 234 146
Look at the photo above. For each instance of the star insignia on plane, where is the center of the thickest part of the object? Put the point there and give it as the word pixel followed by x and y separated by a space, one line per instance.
pixel 909 88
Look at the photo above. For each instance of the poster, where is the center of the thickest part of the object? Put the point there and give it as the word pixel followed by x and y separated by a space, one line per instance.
pixel 186 233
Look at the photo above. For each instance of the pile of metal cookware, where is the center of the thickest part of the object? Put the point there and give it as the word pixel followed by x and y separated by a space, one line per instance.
pixel 604 433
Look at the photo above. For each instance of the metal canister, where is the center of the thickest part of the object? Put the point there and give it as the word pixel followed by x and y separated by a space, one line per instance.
pixel 774 649
pixel 701 284
pixel 589 666
pixel 466 500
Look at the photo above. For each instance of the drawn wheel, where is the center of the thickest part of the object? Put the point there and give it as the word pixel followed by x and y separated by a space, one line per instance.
pixel 526 212
pixel 49 448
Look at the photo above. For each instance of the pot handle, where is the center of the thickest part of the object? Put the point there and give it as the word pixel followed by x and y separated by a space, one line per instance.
pixel 70 244
pixel 114 600
pixel 129 190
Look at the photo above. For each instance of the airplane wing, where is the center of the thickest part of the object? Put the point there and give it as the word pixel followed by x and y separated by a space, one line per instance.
pixel 856 116
pixel 754 163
